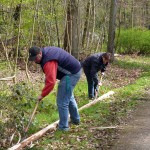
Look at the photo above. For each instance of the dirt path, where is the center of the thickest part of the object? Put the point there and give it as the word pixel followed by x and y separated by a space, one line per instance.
pixel 136 135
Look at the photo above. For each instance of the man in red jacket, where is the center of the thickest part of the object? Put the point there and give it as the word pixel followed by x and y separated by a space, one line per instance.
pixel 59 64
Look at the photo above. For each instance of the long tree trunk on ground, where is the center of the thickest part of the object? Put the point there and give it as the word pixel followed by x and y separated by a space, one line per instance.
pixel 111 34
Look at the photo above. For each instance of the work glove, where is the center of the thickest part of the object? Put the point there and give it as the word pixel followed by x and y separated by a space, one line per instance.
pixel 102 73
pixel 40 98
pixel 100 84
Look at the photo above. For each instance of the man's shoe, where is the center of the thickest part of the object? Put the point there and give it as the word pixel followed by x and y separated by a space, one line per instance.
pixel 91 99
pixel 74 123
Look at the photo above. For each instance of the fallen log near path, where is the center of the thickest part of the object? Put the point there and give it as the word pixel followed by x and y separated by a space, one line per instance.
pixel 53 126
pixel 107 95
pixel 34 137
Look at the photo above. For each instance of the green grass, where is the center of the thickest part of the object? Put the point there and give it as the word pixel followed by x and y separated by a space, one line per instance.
pixel 134 63
pixel 3 65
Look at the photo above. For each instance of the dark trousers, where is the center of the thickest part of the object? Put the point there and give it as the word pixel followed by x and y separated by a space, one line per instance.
pixel 91 83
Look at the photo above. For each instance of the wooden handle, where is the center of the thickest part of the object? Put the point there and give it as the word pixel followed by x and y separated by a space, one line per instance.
pixel 30 120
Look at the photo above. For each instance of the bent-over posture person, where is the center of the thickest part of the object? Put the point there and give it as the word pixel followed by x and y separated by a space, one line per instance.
pixel 59 64
pixel 91 66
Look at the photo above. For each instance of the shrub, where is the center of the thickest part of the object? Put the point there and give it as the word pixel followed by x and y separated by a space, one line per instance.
pixel 133 41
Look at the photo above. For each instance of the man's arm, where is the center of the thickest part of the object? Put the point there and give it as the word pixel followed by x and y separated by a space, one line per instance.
pixel 50 70
pixel 104 68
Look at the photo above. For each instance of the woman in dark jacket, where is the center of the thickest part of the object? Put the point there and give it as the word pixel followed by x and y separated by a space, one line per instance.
pixel 91 66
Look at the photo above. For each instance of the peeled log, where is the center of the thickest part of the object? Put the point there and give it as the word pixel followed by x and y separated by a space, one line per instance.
pixel 52 126
pixel 107 95
pixel 34 137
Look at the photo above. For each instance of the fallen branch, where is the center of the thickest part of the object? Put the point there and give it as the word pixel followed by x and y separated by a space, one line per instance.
pixel 52 126
pixel 103 128
pixel 7 78
pixel 34 137
pixel 107 95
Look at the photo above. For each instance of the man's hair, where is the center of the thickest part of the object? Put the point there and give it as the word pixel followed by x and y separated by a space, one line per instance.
pixel 33 51
pixel 107 56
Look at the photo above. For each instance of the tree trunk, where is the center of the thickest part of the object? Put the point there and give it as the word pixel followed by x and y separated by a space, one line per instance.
pixel 132 14
pixel 75 29
pixel 86 23
pixel 111 34
pixel 18 39
pixel 67 36
pixel 56 23
pixel 16 15
pixel 93 20
pixel 147 20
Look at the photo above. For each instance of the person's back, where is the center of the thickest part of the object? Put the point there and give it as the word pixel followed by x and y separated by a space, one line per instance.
pixel 91 66
pixel 95 58
pixel 67 64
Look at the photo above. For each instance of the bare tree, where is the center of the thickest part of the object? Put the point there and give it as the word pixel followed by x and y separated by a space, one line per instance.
pixel 111 34
pixel 18 38
pixel 86 23
pixel 71 38
pixel 56 23
pixel 67 36
pixel 75 29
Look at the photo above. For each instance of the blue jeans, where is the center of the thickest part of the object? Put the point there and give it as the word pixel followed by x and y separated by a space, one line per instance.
pixel 66 102
pixel 91 84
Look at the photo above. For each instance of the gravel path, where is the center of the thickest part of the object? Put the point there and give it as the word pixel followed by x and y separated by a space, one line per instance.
pixel 136 135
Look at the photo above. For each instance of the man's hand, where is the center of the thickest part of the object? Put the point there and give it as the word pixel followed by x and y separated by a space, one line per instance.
pixel 102 73
pixel 40 98
pixel 100 84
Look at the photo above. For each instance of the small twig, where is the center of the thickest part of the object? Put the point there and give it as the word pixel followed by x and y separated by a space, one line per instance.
pixel 19 137
pixel 12 137
pixel 1 113
pixel 103 128
pixel 7 78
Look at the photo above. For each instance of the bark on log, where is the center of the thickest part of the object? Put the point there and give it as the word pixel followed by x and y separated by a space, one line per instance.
pixel 52 126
